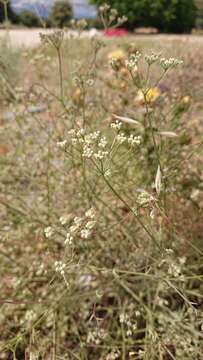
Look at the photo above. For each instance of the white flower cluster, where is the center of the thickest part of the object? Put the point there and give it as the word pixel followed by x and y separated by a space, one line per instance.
pixel 64 219
pixel 48 232
pixel 60 267
pixel 161 301
pixel 76 136
pixel 131 326
pixel 131 63
pixel 114 12
pixel 81 81
pixel 103 142
pixel 145 198
pixel 104 7
pixel 122 19
pixel 87 151
pixel 90 143
pixel 83 225
pixel 170 63
pixel 29 318
pixel 101 154
pixel 96 336
pixel 132 139
pixel 90 213
pixel 116 125
pixel 68 239
pixel 121 138
pixel 174 266
pixel 62 144
pixel 113 355
pixel 175 269
pixel 151 59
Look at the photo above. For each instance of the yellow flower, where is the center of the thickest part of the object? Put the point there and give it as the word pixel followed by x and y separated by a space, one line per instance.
pixel 77 95
pixel 151 95
pixel 116 55
pixel 186 99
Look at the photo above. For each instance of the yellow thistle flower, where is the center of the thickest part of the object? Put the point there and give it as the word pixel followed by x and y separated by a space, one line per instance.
pixel 151 95
pixel 185 100
pixel 116 55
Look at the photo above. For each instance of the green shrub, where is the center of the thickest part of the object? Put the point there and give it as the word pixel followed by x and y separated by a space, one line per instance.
pixel 30 19
pixel 167 15
pixel 60 14
pixel 199 19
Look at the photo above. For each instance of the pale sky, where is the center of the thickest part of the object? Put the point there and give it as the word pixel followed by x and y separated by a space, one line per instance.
pixel 80 7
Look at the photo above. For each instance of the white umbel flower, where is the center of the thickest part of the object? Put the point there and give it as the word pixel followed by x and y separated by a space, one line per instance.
pixel 90 213
pixel 121 138
pixel 69 239
pixel 62 144
pixel 101 154
pixel 116 125
pixel 131 63
pixel 103 142
pixel 134 140
pixel 151 59
pixel 85 233
pixel 60 267
pixel 170 63
pixel 48 231
pixel 87 152
pixel 64 219
pixel 90 224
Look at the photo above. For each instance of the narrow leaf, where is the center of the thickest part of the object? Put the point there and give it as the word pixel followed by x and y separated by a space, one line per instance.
pixel 158 180
pixel 126 120
pixel 169 134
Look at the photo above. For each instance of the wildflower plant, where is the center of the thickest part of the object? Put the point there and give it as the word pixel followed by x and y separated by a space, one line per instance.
pixel 116 271
pixel 133 146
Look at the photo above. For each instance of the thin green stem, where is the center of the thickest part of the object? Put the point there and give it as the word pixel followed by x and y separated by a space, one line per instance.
pixel 60 72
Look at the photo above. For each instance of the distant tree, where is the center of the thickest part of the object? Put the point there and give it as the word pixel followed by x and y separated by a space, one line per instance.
pixel 5 5
pixel 167 15
pixel 29 19
pixel 185 13
pixel 199 20
pixel 60 14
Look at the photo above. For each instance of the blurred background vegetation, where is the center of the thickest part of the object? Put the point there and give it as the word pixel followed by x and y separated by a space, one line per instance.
pixel 168 16
pixel 199 18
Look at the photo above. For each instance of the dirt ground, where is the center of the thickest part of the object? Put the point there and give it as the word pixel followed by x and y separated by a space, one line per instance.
pixel 31 38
